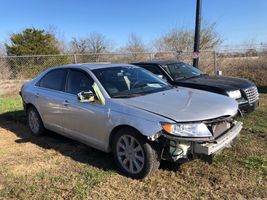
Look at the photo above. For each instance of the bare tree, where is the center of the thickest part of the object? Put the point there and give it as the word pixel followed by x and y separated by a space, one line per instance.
pixel 60 40
pixel 135 44
pixel 135 47
pixel 78 45
pixel 175 40
pixel 182 40
pixel 210 38
pixel 94 43
pixel 97 43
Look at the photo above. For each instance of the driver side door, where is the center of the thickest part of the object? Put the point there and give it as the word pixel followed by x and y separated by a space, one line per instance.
pixel 83 120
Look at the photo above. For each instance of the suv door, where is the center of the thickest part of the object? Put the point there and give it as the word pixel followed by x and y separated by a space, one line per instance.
pixel 83 120
pixel 49 96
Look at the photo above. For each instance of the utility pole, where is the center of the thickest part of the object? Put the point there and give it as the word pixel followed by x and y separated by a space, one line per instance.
pixel 197 34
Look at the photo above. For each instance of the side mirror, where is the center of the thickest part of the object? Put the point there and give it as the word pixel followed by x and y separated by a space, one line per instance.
pixel 86 96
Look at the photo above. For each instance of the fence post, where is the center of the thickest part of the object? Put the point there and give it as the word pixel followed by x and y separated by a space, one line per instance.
pixel 75 58
pixel 215 63
pixel 151 56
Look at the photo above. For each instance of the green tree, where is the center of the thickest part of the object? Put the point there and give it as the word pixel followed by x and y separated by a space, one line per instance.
pixel 32 41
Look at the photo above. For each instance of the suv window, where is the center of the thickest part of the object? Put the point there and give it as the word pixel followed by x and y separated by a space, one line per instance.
pixel 54 80
pixel 78 81
pixel 155 70
pixel 152 69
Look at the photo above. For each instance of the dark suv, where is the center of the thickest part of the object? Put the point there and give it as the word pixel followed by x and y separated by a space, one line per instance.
pixel 181 74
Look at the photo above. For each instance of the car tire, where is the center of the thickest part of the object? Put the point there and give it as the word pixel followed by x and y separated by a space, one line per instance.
pixel 35 122
pixel 134 154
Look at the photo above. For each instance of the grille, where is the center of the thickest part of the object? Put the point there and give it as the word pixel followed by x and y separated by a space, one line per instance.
pixel 252 94
pixel 219 128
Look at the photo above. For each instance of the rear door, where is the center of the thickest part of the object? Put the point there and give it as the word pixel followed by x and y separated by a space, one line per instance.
pixel 84 121
pixel 49 96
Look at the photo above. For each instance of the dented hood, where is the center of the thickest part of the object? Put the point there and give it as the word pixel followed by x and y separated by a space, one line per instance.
pixel 185 105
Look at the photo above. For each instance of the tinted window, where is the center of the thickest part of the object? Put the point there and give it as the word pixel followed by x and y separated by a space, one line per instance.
pixel 155 70
pixel 78 81
pixel 54 80
pixel 181 70
pixel 152 69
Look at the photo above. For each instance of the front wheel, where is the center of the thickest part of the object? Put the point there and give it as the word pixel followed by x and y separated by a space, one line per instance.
pixel 134 155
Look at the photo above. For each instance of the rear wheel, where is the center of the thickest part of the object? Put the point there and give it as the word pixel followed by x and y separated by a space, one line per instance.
pixel 35 123
pixel 135 156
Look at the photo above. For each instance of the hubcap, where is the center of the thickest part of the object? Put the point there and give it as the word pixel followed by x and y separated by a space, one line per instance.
pixel 33 121
pixel 130 154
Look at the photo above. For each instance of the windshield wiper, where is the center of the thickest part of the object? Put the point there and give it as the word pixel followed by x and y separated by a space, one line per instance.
pixel 125 95
pixel 148 83
pixel 180 78
pixel 185 78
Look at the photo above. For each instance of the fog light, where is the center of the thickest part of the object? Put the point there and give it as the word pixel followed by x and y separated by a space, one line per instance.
pixel 178 150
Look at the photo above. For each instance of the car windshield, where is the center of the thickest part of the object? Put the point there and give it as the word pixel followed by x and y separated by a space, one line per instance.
pixel 180 70
pixel 129 81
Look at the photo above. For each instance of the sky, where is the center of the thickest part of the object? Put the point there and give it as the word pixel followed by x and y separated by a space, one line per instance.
pixel 238 21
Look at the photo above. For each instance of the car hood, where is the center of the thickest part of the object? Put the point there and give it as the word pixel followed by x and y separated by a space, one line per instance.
pixel 223 82
pixel 185 105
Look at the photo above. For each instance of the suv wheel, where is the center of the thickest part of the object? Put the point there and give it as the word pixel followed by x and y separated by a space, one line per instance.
pixel 35 123
pixel 134 155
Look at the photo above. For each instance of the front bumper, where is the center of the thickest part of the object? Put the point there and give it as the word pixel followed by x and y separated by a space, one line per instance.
pixel 178 149
pixel 247 108
pixel 209 148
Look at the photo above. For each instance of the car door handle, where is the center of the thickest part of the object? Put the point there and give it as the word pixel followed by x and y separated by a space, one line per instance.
pixel 37 95
pixel 65 103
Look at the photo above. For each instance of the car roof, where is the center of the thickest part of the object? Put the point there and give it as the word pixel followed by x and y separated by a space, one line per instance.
pixel 158 62
pixel 92 66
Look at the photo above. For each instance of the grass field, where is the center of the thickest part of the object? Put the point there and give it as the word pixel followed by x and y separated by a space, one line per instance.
pixel 54 167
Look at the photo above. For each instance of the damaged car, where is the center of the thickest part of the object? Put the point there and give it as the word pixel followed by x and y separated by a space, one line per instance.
pixel 127 110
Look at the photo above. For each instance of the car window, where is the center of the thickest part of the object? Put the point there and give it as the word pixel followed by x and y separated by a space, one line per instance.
pixel 54 79
pixel 152 69
pixel 155 70
pixel 126 82
pixel 182 70
pixel 78 81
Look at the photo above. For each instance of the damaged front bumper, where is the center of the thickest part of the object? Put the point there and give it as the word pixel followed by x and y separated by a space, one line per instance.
pixel 209 148
pixel 179 149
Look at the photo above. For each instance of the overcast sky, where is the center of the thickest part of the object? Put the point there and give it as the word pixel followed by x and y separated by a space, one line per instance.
pixel 238 20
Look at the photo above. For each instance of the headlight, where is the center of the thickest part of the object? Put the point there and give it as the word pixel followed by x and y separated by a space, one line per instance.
pixel 236 94
pixel 187 130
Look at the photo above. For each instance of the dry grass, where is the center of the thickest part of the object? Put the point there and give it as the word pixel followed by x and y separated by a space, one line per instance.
pixel 252 68
pixel 51 167
pixel 54 167
pixel 10 87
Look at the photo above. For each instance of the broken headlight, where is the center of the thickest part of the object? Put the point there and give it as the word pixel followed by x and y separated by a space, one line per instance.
pixel 197 130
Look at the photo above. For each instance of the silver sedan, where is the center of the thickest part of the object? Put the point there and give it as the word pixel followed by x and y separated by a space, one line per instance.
pixel 129 111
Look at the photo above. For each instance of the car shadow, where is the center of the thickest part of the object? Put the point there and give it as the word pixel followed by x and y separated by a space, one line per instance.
pixel 16 123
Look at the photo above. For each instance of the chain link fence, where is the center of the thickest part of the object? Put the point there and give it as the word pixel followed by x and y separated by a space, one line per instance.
pixel 246 64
